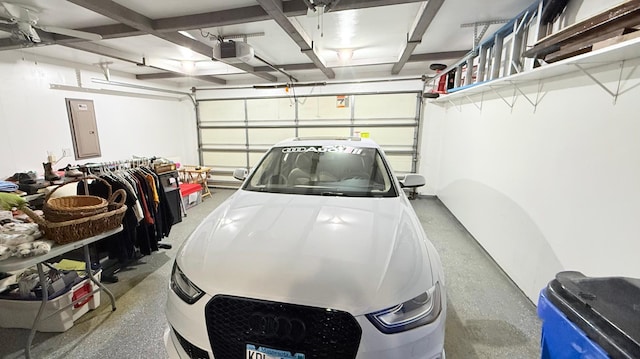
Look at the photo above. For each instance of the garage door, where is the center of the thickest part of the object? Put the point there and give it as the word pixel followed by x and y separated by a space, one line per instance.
pixel 235 133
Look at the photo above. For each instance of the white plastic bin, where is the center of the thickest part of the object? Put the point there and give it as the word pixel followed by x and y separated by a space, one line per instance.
pixel 22 313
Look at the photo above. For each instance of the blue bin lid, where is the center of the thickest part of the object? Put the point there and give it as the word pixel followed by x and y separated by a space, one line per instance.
pixel 607 309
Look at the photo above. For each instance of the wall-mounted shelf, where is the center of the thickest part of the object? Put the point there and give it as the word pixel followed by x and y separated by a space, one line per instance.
pixel 585 64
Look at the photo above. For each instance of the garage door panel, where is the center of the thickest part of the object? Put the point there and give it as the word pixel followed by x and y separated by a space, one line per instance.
pixel 221 110
pixel 382 122
pixel 224 159
pixel 254 158
pixel 221 177
pixel 328 131
pixel 385 106
pixel 389 135
pixel 213 136
pixel 400 163
pixel 270 136
pixel 322 107
pixel 319 123
pixel 259 110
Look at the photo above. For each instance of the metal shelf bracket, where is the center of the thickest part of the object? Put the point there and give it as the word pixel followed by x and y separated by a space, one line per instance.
pixel 618 90
pixel 474 103
pixel 513 100
pixel 538 98
pixel 457 107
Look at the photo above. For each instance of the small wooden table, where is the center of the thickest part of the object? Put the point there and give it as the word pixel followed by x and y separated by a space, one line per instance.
pixel 197 174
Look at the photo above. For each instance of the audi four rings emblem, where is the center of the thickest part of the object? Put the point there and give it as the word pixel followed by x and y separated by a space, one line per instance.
pixel 271 326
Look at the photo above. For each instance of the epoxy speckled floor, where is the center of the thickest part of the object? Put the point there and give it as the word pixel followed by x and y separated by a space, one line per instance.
pixel 488 317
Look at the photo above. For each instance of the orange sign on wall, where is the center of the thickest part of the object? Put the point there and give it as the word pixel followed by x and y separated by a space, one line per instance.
pixel 342 101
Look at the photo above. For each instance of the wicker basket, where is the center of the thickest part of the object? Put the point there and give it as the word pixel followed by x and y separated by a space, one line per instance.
pixel 77 229
pixel 68 208
pixel 80 228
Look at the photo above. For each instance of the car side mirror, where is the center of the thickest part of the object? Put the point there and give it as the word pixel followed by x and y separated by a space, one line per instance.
pixel 413 181
pixel 240 173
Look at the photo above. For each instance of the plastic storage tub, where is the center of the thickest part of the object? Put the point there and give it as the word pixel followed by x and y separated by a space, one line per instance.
pixel 22 313
pixel 590 318
pixel 191 194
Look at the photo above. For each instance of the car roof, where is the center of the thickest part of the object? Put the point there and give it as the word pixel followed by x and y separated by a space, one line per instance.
pixel 328 141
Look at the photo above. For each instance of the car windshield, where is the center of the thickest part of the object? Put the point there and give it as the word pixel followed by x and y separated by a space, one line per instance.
pixel 323 170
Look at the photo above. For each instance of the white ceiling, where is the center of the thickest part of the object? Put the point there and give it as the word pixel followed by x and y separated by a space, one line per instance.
pixel 376 35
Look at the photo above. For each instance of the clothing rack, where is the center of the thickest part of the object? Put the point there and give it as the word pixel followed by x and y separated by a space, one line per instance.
pixel 134 162
pixel 105 166
pixel 111 266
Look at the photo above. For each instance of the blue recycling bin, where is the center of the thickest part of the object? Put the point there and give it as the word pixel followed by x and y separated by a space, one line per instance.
pixel 590 318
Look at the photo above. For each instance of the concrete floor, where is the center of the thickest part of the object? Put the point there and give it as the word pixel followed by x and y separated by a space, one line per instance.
pixel 487 317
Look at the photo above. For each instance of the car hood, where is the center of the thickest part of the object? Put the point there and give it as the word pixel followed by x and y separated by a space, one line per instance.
pixel 347 253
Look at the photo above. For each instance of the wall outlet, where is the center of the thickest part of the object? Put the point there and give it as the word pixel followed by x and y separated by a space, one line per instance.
pixel 66 152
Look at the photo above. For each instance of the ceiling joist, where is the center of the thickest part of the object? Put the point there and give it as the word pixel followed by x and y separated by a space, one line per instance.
pixel 435 56
pixel 275 9
pixel 174 75
pixel 176 71
pixel 138 21
pixel 106 51
pixel 424 19
pixel 159 76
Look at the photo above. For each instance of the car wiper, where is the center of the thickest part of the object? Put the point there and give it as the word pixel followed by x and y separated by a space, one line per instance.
pixel 335 194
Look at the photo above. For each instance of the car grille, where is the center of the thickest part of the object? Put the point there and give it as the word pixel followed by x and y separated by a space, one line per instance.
pixel 234 322
pixel 193 351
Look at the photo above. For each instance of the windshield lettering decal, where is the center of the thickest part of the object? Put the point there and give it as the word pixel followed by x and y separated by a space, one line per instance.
pixel 340 149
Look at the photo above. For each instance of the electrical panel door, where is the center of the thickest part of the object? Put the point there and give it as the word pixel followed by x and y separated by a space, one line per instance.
pixel 84 130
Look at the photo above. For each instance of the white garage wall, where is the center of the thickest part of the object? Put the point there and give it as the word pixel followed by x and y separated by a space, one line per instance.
pixel 33 117
pixel 558 189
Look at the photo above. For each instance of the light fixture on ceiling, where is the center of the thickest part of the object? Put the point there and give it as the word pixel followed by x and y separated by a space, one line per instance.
pixel 345 55
pixel 188 65
pixel 186 52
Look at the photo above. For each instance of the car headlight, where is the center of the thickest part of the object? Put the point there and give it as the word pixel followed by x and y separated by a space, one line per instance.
pixel 183 287
pixel 421 310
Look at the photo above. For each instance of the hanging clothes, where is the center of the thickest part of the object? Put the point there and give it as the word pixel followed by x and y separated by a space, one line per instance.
pixel 120 245
pixel 164 217
pixel 148 218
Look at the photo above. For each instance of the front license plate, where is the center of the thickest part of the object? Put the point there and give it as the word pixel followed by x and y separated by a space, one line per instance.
pixel 255 352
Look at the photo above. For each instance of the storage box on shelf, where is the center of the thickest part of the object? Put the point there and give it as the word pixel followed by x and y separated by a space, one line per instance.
pixel 21 313
pixel 191 194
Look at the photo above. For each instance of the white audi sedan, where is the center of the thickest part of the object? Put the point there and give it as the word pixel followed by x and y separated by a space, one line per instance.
pixel 319 254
